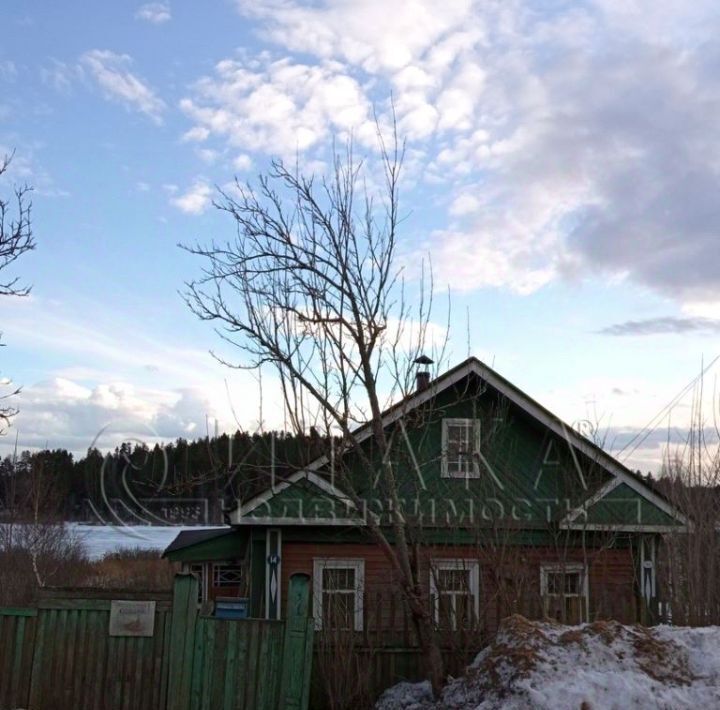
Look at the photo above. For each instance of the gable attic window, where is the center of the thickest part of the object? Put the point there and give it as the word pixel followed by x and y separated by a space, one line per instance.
pixel 338 587
pixel 454 590
pixel 460 448
pixel 564 590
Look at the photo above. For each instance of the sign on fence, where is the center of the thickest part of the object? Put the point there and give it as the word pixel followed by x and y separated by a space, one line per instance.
pixel 132 618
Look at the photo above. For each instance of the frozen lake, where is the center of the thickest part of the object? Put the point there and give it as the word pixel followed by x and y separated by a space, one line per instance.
pixel 99 540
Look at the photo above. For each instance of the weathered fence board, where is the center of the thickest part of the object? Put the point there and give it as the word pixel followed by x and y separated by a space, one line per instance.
pixel 77 664
pixel 17 635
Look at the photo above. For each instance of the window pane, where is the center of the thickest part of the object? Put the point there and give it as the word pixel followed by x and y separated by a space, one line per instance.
pixel 463 610
pixel 457 580
pixel 572 583
pixel 338 610
pixel 554 583
pixel 445 610
pixel 460 447
pixel 342 579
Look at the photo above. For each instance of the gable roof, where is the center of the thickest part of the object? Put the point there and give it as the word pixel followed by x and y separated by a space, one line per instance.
pixel 472 366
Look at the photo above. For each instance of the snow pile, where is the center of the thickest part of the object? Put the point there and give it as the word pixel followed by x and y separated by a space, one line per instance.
pixel 598 666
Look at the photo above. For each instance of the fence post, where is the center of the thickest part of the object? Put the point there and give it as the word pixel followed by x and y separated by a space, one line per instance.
pixel 298 646
pixel 182 641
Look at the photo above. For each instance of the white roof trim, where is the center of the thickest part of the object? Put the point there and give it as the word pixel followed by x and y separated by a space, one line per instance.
pixel 602 527
pixel 319 522
pixel 535 410
pixel 611 485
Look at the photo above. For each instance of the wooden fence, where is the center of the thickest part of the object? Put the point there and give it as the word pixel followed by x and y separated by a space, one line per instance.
pixel 17 633
pixel 61 656
pixel 386 651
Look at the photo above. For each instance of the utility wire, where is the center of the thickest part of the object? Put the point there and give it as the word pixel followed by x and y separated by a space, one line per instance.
pixel 650 427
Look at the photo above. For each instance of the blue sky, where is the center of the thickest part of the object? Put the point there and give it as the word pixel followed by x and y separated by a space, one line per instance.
pixel 563 171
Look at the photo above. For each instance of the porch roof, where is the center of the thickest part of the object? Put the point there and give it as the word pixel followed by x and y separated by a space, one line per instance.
pixel 213 544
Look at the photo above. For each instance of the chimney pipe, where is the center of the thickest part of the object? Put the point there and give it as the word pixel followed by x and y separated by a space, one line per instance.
pixel 422 377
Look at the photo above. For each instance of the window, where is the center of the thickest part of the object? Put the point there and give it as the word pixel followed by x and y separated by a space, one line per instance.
pixel 227 574
pixel 338 587
pixel 454 588
pixel 460 448
pixel 565 593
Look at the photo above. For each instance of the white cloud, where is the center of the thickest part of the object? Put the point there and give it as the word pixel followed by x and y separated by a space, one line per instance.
pixel 277 107
pixel 59 412
pixel 195 200
pixel 124 379
pixel 207 155
pixel 155 12
pixel 197 134
pixel 242 162
pixel 8 70
pixel 112 74
pixel 60 75
pixel 366 33
pixel 464 204
pixel 585 132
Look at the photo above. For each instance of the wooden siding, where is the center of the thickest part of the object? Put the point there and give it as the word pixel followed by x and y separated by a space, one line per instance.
pixel 509 582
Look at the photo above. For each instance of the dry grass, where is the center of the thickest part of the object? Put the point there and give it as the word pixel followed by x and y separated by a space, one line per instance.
pixel 131 568
pixel 64 564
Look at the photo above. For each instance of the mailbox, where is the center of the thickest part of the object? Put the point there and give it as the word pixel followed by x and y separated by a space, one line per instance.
pixel 232 607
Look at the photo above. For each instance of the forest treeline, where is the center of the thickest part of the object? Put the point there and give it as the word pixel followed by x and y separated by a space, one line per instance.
pixel 184 481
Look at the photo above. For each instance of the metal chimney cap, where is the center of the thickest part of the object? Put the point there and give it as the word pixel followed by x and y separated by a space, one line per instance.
pixel 423 360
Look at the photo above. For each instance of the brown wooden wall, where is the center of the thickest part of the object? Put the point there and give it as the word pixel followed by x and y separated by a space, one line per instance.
pixel 509 579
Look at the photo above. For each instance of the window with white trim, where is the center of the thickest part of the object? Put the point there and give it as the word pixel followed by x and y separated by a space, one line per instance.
pixel 564 590
pixel 460 448
pixel 338 588
pixel 455 592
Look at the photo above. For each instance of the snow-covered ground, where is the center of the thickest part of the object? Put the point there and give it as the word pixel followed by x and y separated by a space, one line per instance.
pixel 598 666
pixel 99 540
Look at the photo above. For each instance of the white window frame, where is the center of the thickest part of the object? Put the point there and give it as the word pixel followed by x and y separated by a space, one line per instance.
pixel 572 567
pixel 472 566
pixel 323 563
pixel 474 425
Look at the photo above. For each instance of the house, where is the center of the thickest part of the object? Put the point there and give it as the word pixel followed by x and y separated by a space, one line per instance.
pixel 509 509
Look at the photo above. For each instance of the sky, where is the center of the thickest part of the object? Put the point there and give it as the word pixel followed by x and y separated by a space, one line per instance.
pixel 562 174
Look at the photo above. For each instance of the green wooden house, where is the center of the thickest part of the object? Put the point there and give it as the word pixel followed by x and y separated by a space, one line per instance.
pixel 509 509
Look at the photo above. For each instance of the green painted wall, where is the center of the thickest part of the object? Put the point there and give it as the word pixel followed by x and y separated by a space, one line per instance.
pixel 301 500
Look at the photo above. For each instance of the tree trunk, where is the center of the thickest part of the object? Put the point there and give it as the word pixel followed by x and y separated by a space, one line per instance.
pixel 432 656
pixel 427 637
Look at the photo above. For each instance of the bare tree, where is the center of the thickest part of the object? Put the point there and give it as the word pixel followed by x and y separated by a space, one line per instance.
pixel 690 477
pixel 16 238
pixel 312 286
